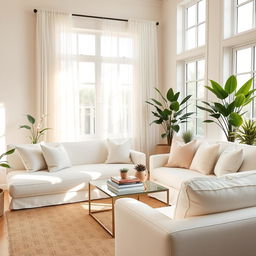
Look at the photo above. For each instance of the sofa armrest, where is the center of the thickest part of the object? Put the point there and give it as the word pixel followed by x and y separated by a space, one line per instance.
pixel 138 157
pixel 156 161
pixel 140 230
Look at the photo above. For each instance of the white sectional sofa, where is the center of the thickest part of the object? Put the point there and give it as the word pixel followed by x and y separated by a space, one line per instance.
pixel 174 177
pixel 43 188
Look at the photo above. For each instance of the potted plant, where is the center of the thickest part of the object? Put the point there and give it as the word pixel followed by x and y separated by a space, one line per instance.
pixel 35 128
pixel 124 173
pixel 170 113
pixel 141 172
pixel 228 111
pixel 4 163
pixel 246 134
pixel 187 136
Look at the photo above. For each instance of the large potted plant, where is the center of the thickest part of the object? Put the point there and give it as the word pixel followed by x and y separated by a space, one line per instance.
pixel 170 113
pixel 228 111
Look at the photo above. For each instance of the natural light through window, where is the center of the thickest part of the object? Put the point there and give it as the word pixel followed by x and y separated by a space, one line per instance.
pixel 195 82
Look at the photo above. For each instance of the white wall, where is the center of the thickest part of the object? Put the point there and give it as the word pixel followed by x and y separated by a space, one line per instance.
pixel 17 50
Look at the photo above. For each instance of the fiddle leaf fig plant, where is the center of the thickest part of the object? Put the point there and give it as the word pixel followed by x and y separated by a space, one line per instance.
pixel 228 111
pixel 170 112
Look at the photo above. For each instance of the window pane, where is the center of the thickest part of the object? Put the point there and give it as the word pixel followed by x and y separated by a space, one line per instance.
pixel 109 74
pixel 191 71
pixel 201 35
pixel 191 125
pixel 109 46
pixel 200 90
pixel 86 72
pixel 200 126
pixel 243 60
pixel 191 16
pixel 125 74
pixel 191 38
pixel 191 90
pixel 200 69
pixel 245 17
pixel 86 44
pixel 125 47
pixel 241 1
pixel 201 11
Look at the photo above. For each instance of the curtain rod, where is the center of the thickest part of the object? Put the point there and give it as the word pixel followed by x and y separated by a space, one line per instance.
pixel 97 17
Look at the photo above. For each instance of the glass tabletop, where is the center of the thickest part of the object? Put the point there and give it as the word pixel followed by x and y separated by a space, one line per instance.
pixel 149 187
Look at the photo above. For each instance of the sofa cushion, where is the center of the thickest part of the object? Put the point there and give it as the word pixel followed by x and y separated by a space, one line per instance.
pixel 201 196
pixel 173 177
pixel 249 162
pixel 75 178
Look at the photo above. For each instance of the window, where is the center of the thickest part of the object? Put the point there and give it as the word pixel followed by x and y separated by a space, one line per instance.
pixel 195 25
pixel 245 15
pixel 245 68
pixel 194 85
pixel 104 65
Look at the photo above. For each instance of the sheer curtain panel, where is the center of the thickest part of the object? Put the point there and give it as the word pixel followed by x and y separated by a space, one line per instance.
pixel 56 76
pixel 145 79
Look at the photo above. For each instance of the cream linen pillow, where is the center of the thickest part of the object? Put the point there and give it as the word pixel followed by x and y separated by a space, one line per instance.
pixel 56 157
pixel 118 152
pixel 249 162
pixel 207 195
pixel 32 157
pixel 229 162
pixel 205 158
pixel 181 154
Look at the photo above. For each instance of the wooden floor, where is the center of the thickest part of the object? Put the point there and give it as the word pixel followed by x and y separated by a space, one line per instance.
pixel 3 230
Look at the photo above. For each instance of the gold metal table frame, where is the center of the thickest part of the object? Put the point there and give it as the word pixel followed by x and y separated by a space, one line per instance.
pixel 114 197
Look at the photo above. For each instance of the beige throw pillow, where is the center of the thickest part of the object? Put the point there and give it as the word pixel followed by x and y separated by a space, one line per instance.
pixel 56 157
pixel 249 156
pixel 208 195
pixel 205 158
pixel 32 157
pixel 118 152
pixel 229 162
pixel 181 155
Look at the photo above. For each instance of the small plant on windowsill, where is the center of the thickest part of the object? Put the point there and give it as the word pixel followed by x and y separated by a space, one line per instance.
pixel 124 173
pixel 35 128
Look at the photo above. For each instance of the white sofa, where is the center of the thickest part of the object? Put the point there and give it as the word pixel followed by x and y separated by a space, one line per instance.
pixel 43 188
pixel 174 177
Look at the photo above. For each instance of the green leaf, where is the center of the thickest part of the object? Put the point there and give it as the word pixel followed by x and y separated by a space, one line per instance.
pixel 170 95
pixel 235 119
pixel 208 121
pixel 176 128
pixel 186 116
pixel 185 99
pixel 239 100
pixel 215 92
pixel 5 165
pixel 217 88
pixel 217 116
pixel 175 106
pixel 176 96
pixel 231 107
pixel 179 112
pixel 26 127
pixel 231 84
pixel 163 135
pixel 221 109
pixel 157 102
pixel 45 129
pixel 245 88
pixel 31 119
pixel 9 152
pixel 205 109
pixel 161 94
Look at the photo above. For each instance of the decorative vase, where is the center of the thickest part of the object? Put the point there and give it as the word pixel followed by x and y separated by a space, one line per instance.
pixel 1 202
pixel 124 175
pixel 142 175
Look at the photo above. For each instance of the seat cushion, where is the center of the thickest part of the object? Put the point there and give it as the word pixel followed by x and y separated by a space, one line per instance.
pixel 75 178
pixel 173 177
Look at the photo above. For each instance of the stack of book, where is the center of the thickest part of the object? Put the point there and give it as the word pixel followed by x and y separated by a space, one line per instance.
pixel 123 186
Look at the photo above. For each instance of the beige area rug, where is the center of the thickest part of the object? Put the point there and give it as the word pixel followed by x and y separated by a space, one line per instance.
pixel 65 230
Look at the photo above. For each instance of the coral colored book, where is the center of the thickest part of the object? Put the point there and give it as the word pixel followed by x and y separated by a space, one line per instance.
pixel 130 180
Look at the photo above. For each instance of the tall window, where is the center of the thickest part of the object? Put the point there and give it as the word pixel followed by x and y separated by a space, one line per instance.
pixel 245 68
pixel 105 71
pixel 195 25
pixel 245 15
pixel 195 82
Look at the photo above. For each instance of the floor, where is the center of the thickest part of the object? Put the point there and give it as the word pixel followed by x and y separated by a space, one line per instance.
pixel 3 230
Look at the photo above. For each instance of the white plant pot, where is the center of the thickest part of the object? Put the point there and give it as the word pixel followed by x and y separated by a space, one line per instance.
pixel 1 202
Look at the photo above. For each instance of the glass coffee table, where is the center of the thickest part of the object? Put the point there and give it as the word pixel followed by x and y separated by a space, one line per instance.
pixel 149 188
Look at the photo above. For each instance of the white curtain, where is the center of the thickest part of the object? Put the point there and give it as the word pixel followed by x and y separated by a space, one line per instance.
pixel 56 79
pixel 145 136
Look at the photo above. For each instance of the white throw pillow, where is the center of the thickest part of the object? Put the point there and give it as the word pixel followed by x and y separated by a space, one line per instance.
pixel 229 162
pixel 118 152
pixel 56 157
pixel 205 158
pixel 249 162
pixel 32 157
pixel 208 195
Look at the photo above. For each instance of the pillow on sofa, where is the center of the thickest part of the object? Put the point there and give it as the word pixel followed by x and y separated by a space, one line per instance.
pixel 249 162
pixel 56 157
pixel 229 162
pixel 181 154
pixel 32 157
pixel 207 195
pixel 205 158
pixel 118 152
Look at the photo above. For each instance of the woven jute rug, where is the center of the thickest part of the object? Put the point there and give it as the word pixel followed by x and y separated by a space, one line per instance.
pixel 65 230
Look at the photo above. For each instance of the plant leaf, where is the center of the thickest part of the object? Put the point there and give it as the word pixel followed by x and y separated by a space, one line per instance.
pixel 5 165
pixel 26 127
pixel 235 119
pixel 31 119
pixel 217 88
pixel 176 128
pixel 208 121
pixel 231 84
pixel 175 106
pixel 245 88
pixel 239 100
pixel 161 94
pixel 45 129
pixel 176 96
pixel 170 95
pixel 185 99
pixel 221 109
pixel 157 102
